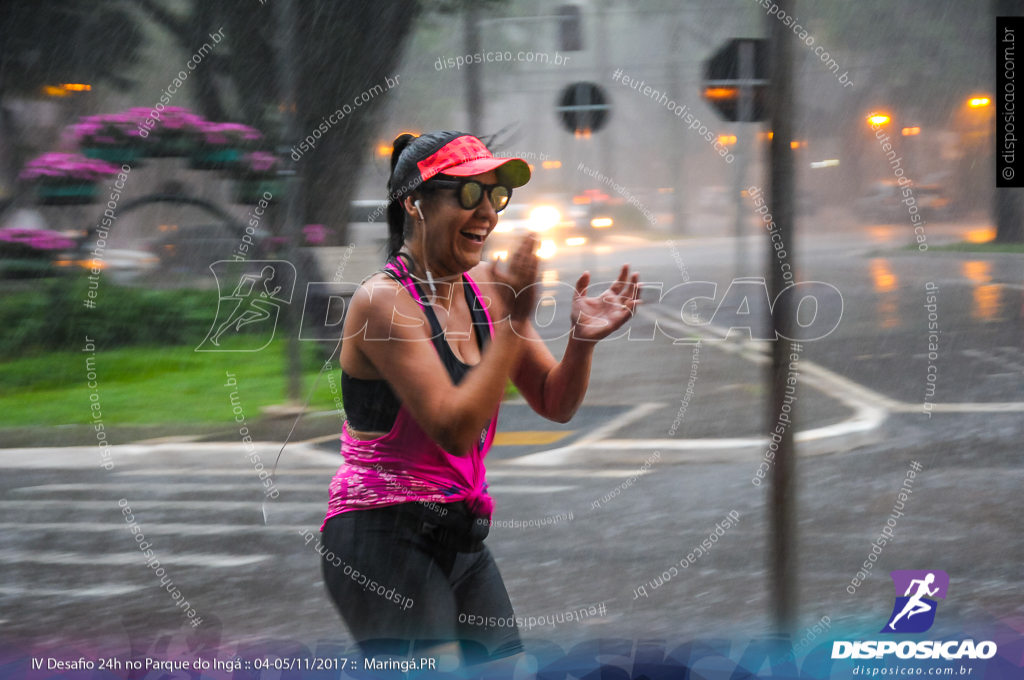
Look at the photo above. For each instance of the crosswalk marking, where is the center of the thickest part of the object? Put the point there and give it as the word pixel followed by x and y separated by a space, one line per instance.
pixel 172 488
pixel 168 487
pixel 502 471
pixel 183 498
pixel 169 529
pixel 318 506
pixel 221 472
pixel 134 557
pixel 527 489
pixel 153 505
pixel 495 469
pixel 109 590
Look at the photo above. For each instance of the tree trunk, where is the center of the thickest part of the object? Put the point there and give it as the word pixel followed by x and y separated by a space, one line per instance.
pixel 372 35
pixel 206 20
pixel 347 48
pixel 1009 215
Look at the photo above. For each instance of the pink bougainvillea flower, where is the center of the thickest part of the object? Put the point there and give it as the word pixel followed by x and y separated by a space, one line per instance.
pixel 67 166
pixel 41 239
pixel 261 161
pixel 315 233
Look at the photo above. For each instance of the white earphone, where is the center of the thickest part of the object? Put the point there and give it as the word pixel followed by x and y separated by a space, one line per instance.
pixel 430 278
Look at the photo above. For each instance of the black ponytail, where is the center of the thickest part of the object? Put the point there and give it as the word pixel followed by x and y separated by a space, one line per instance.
pixel 396 209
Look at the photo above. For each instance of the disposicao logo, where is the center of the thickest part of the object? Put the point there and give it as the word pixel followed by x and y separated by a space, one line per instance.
pixel 257 288
pixel 917 599
pixel 917 592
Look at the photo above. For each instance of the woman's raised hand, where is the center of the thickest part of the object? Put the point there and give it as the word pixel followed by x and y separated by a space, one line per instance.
pixel 595 318
pixel 520 274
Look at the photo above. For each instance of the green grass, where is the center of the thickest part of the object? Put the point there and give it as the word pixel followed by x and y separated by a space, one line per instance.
pixel 965 247
pixel 152 385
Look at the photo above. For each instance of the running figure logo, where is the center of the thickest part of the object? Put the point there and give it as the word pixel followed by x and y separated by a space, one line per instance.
pixel 914 600
pixel 257 292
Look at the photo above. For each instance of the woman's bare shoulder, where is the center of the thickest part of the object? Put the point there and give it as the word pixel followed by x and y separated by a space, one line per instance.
pixel 378 294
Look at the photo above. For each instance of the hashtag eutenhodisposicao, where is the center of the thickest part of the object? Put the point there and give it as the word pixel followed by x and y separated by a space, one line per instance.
pixel 680 110
pixel 528 622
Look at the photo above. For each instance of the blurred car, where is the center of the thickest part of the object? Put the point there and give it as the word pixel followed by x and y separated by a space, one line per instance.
pixel 368 211
pixel 368 223
pixel 193 248
pixel 884 202
pixel 881 202
pixel 116 260
pixel 933 201
pixel 548 219
pixel 596 214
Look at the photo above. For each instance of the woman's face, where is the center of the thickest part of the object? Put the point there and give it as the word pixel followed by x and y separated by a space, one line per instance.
pixel 454 237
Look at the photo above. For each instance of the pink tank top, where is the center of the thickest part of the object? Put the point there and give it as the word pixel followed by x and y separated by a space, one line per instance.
pixel 406 465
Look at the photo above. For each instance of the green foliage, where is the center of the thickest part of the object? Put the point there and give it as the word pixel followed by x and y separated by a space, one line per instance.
pixel 48 42
pixel 931 55
pixel 965 247
pixel 53 317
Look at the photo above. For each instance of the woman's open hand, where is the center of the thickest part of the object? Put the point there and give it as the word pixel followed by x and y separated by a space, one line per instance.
pixel 519 276
pixel 595 318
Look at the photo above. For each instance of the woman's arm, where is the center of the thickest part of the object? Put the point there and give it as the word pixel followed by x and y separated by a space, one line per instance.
pixel 396 341
pixel 555 390
pixel 387 331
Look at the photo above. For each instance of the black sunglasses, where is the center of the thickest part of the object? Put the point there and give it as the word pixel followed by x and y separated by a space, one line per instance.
pixel 470 192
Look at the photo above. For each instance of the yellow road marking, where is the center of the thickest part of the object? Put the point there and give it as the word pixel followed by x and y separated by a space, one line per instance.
pixel 529 437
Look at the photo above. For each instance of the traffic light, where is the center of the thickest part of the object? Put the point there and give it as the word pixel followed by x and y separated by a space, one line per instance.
pixel 723 79
pixel 583 108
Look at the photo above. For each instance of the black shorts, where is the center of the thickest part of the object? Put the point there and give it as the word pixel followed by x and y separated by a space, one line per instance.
pixel 401 572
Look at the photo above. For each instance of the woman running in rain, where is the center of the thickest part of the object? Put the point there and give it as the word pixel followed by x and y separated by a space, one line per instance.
pixel 424 364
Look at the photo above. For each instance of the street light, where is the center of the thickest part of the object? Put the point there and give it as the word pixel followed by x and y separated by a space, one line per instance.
pixel 911 131
pixel 978 102
pixel 878 119
pixel 64 89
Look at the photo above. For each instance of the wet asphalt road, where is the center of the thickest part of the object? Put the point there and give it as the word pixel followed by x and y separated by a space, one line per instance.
pixel 70 570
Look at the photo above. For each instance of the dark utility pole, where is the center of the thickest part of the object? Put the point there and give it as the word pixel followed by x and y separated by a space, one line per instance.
pixel 288 80
pixel 782 498
pixel 744 114
pixel 474 97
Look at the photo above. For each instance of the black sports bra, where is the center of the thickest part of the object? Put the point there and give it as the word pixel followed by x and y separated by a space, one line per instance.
pixel 372 406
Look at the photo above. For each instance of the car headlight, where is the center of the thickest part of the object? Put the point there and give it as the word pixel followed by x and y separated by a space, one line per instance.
pixel 547 250
pixel 543 217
